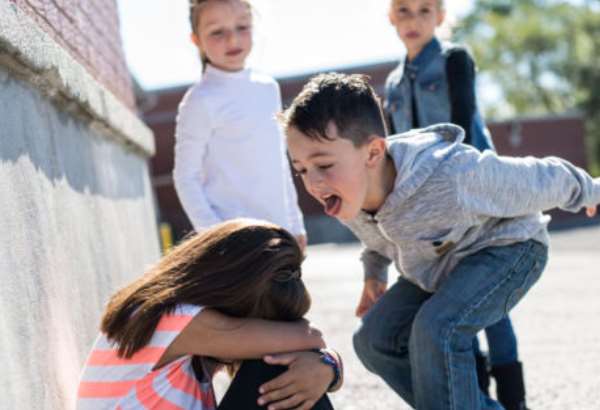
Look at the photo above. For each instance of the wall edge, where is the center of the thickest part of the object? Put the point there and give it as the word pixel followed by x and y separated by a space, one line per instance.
pixel 32 55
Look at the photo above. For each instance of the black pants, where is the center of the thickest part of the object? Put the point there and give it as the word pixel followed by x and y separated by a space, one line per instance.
pixel 243 391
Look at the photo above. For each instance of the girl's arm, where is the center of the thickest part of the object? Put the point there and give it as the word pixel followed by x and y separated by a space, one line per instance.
pixel 214 334
pixel 390 123
pixel 391 82
pixel 293 212
pixel 191 138
pixel 460 71
pixel 293 209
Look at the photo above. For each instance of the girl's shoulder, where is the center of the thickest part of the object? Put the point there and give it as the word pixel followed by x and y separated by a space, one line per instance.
pixel 198 97
pixel 456 50
pixel 185 310
pixel 202 89
pixel 174 320
pixel 215 87
pixel 260 78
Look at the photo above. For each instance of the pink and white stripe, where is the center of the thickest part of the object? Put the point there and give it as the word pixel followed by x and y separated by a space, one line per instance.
pixel 111 382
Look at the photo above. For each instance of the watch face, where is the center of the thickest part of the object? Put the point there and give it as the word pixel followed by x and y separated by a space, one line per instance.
pixel 328 359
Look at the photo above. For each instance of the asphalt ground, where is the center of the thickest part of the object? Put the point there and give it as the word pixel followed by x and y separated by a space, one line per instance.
pixel 557 324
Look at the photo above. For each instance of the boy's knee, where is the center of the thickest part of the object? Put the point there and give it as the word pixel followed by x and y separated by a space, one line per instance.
pixel 377 338
pixel 360 341
pixel 364 349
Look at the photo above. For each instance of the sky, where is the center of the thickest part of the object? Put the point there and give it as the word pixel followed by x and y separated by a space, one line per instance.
pixel 291 37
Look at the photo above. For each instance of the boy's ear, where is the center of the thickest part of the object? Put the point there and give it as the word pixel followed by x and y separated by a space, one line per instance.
pixel 376 150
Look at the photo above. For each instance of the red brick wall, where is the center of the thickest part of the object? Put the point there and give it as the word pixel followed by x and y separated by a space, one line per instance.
pixel 89 31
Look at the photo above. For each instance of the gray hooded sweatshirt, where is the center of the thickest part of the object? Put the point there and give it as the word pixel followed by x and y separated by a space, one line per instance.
pixel 450 201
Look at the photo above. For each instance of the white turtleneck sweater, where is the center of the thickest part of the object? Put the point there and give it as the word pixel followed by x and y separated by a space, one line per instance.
pixel 230 154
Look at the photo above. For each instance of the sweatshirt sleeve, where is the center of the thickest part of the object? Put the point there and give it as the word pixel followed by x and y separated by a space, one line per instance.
pixel 507 187
pixel 460 71
pixel 375 265
pixel 192 132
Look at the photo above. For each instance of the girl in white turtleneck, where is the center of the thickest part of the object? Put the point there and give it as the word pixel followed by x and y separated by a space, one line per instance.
pixel 230 155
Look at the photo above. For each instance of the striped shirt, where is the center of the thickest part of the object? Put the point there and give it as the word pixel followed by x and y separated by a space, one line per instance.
pixel 111 382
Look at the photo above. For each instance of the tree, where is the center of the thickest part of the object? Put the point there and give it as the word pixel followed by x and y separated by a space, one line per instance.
pixel 544 55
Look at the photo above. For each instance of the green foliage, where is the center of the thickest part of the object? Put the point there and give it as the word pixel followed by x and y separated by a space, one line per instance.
pixel 544 55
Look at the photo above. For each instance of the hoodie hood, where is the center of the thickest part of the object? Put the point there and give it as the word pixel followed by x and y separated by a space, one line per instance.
pixel 416 155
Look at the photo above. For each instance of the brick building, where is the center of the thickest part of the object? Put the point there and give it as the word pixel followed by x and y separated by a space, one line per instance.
pixel 77 211
pixel 561 136
pixel 89 31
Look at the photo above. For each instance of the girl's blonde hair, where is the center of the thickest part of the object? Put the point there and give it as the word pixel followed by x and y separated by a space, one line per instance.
pixel 196 7
pixel 441 4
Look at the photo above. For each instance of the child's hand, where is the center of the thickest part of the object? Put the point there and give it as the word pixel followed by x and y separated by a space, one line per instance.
pixel 590 211
pixel 305 382
pixel 372 291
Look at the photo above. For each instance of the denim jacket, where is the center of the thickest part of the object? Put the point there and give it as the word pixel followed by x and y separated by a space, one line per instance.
pixel 427 75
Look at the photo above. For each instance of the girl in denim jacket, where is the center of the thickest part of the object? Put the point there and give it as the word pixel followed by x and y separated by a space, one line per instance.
pixel 435 83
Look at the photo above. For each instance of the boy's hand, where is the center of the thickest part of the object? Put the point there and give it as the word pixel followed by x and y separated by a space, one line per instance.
pixel 372 291
pixel 590 211
pixel 305 382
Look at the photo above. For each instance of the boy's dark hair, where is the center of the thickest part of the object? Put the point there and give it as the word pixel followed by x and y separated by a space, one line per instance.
pixel 348 101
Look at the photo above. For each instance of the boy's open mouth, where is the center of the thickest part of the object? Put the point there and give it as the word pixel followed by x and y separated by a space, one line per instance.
pixel 333 204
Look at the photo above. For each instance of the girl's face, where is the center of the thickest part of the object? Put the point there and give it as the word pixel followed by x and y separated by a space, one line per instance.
pixel 224 33
pixel 415 22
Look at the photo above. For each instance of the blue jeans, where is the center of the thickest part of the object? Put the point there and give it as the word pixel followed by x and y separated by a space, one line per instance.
pixel 421 344
pixel 502 343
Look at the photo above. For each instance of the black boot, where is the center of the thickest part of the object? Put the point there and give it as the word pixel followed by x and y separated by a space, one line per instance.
pixel 483 376
pixel 510 385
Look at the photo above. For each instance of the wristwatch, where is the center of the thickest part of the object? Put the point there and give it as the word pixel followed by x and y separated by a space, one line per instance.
pixel 328 359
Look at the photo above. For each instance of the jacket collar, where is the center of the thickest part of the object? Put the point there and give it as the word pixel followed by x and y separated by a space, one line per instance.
pixel 215 72
pixel 425 56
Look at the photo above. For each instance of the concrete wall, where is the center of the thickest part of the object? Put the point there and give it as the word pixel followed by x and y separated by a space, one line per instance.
pixel 76 211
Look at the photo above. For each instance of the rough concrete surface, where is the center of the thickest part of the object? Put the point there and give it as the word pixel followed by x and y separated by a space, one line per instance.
pixel 76 221
pixel 558 325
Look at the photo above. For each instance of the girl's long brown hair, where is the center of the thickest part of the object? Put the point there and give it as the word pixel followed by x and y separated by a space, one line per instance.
pixel 242 268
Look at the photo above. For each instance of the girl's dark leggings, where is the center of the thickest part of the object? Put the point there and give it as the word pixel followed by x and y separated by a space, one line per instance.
pixel 243 391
